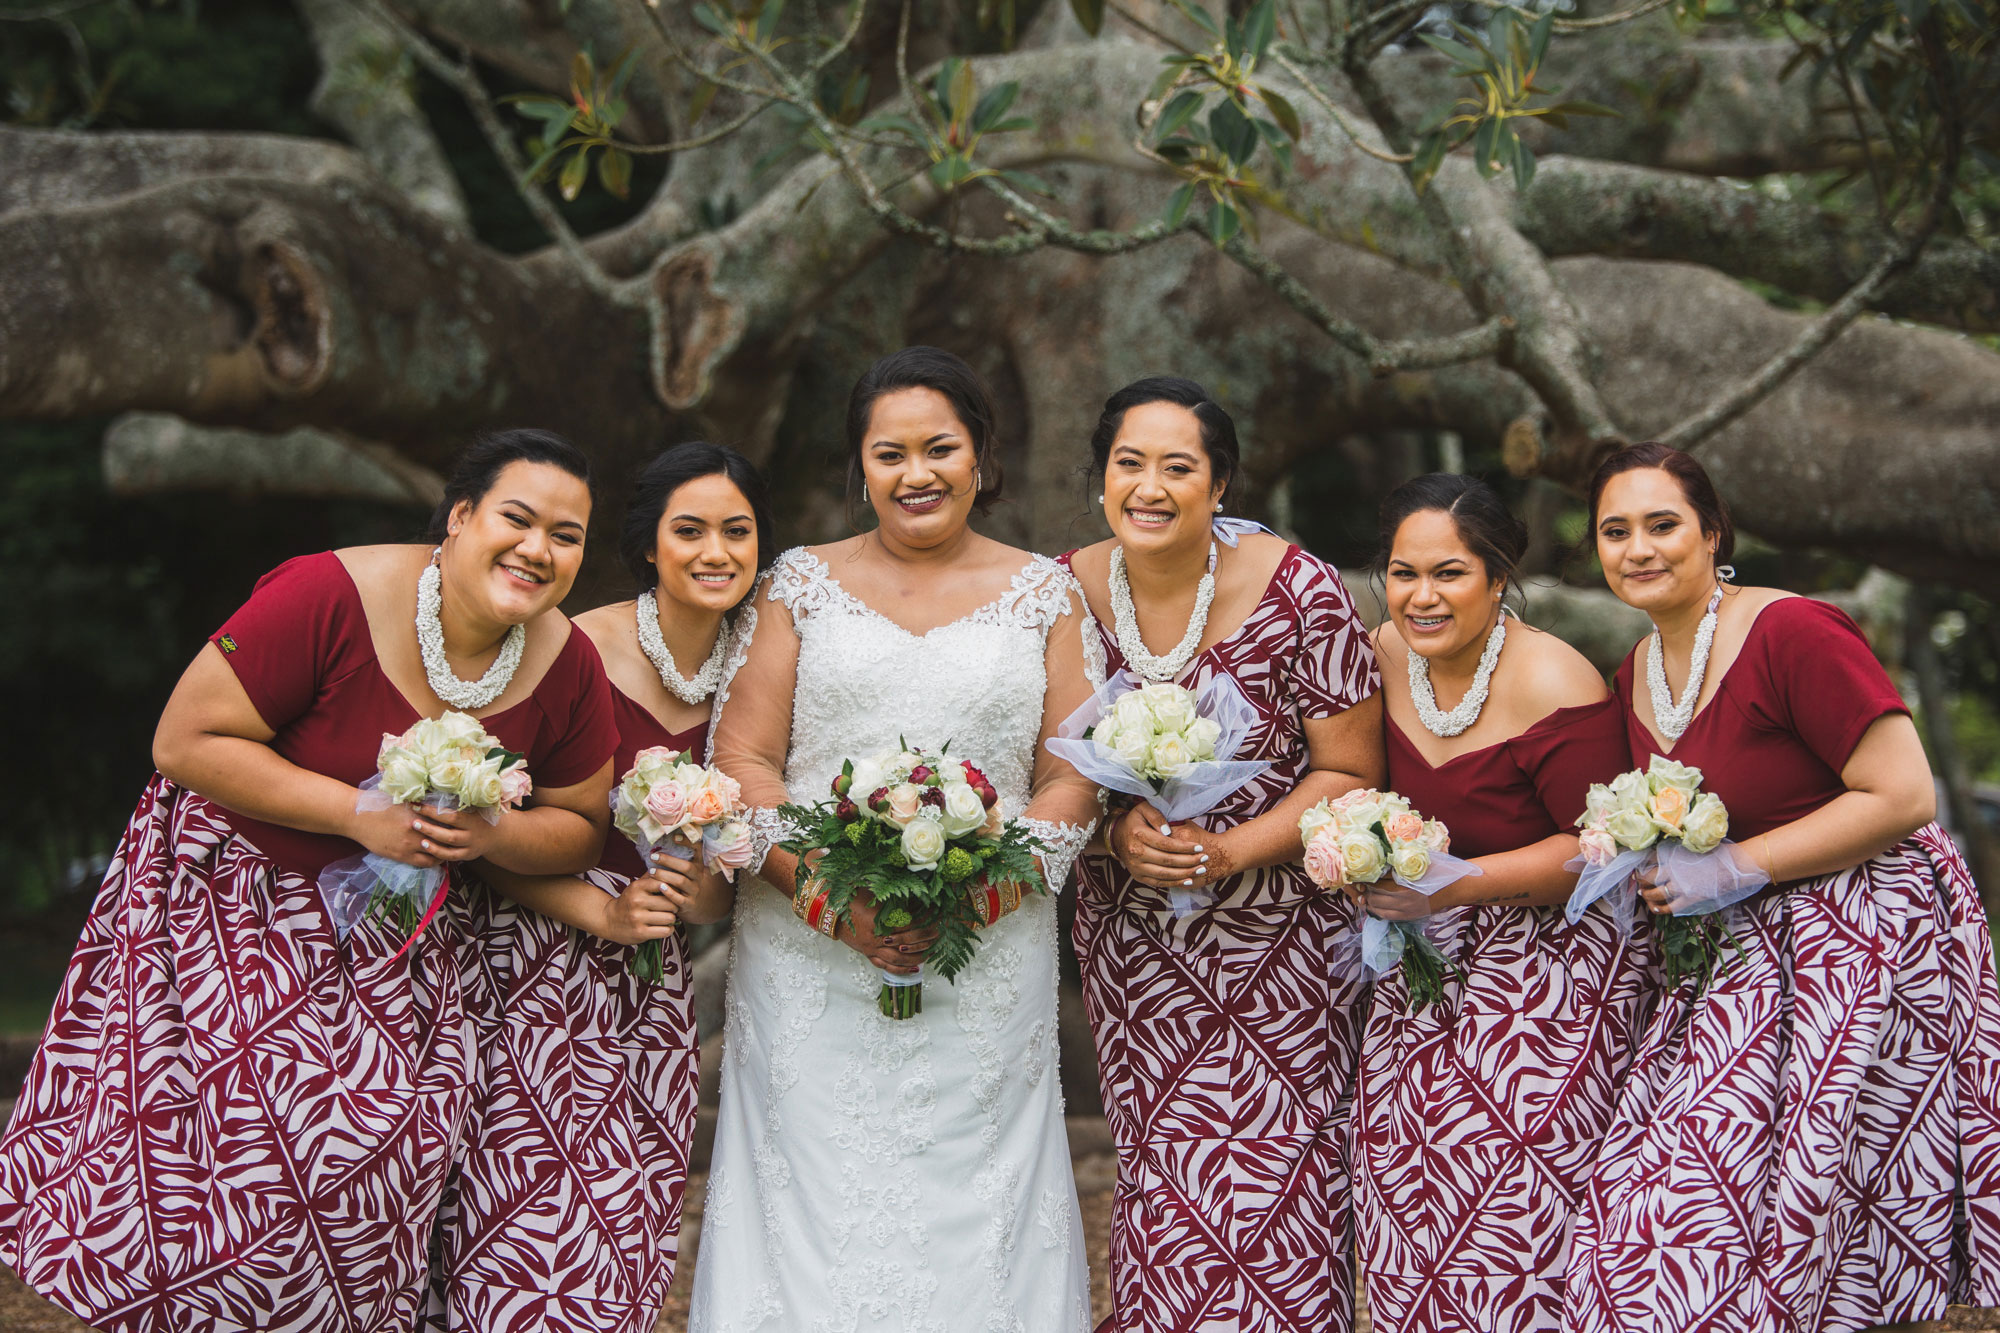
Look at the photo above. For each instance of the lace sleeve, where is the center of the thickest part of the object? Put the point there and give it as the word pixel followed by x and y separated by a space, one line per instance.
pixel 750 738
pixel 768 828
pixel 739 652
pixel 1065 841
pixel 1095 668
pixel 1065 805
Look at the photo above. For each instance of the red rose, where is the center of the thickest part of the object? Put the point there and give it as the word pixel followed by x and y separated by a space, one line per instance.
pixel 879 799
pixel 846 809
pixel 921 774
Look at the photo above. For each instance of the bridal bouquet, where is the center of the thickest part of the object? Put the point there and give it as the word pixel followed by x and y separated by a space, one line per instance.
pixel 1166 744
pixel 449 763
pixel 667 800
pixel 1660 817
pixel 1364 835
pixel 916 831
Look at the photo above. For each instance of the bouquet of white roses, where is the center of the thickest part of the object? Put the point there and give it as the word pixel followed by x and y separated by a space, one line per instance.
pixel 666 800
pixel 1360 837
pixel 449 763
pixel 1165 744
pixel 917 832
pixel 1660 817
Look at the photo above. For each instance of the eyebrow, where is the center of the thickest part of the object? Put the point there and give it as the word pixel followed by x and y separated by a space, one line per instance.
pixel 697 518
pixel 1656 513
pixel 1172 453
pixel 897 444
pixel 1409 564
pixel 533 513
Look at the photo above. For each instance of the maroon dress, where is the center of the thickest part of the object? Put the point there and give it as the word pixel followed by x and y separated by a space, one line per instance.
pixel 236 1121
pixel 1226 1043
pixel 1477 1118
pixel 1812 1144
pixel 565 1216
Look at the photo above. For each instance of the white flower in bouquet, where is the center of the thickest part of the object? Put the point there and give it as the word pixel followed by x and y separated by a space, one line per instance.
pixel 1706 825
pixel 1169 755
pixel 963 811
pixel 1436 837
pixel 1411 860
pixel 1171 706
pixel 406 777
pixel 481 786
pixel 1630 791
pixel 462 729
pixel 1132 745
pixel 870 776
pixel 1599 847
pixel 1663 774
pixel 924 842
pixel 1314 822
pixel 1599 804
pixel 1202 735
pixel 1363 854
pixel 1635 830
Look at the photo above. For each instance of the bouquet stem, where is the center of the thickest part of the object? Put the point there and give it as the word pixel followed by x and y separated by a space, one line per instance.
pixel 1424 968
pixel 398 909
pixel 901 997
pixel 1693 947
pixel 648 962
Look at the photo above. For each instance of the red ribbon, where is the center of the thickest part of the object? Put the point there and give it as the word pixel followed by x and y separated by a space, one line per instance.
pixel 444 886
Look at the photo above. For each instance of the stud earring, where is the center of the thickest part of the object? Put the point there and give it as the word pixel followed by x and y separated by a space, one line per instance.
pixel 1218 506
pixel 1100 502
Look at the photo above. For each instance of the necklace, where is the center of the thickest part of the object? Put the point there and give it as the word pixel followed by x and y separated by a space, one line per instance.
pixel 1458 719
pixel 1172 663
pixel 1673 718
pixel 655 648
pixel 430 642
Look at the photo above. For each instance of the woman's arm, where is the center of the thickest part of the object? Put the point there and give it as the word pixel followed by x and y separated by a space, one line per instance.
pixel 648 908
pixel 559 832
pixel 753 732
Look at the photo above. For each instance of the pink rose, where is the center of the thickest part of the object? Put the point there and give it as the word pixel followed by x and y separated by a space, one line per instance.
pixel 732 853
pixel 515 785
pixel 1324 865
pixel 668 803
pixel 1403 826
pixel 904 802
pixel 706 806
pixel 994 825
pixel 732 790
pixel 1348 800
pixel 1599 847
pixel 665 754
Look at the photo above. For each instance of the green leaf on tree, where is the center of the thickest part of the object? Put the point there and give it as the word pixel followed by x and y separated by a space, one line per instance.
pixel 1089 14
pixel 1282 112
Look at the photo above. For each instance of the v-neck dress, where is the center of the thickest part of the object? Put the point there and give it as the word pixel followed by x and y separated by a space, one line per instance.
pixel 1227 1041
pixel 235 1120
pixel 565 1214
pixel 1812 1144
pixel 1477 1118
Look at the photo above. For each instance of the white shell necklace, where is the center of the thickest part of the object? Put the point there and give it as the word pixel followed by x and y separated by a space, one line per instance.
pixel 1672 718
pixel 430 642
pixel 1444 724
pixel 1169 664
pixel 655 648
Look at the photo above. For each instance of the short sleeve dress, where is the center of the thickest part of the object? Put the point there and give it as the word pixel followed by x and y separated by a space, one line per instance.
pixel 1477 1118
pixel 236 1120
pixel 1812 1143
pixel 566 1213
pixel 1226 1043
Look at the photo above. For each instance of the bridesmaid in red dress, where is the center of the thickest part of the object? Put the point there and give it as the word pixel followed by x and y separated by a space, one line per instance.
pixel 1477 1118
pixel 566 1212
pixel 1812 1143
pixel 1226 1045
pixel 235 1119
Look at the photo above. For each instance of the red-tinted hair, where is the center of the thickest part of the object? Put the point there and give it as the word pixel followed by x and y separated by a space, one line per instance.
pixel 1694 483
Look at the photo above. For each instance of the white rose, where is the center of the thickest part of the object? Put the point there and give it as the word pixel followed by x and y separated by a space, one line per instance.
pixel 906 763
pixel 1630 791
pixel 1171 706
pixel 405 779
pixel 482 784
pixel 1313 821
pixel 963 811
pixel 868 778
pixel 1131 711
pixel 923 843
pixel 1132 745
pixel 1169 756
pixel 461 727
pixel 1362 854
pixel 1664 772
pixel 448 775
pixel 1598 804
pixel 1202 734
pixel 1706 825
pixel 1634 829
pixel 1410 860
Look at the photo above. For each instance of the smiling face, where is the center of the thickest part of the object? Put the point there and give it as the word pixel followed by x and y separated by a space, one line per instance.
pixel 1649 539
pixel 705 550
pixel 515 553
pixel 920 467
pixel 1159 487
pixel 1439 593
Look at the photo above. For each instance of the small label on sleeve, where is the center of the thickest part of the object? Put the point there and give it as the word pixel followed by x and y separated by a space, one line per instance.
pixel 225 643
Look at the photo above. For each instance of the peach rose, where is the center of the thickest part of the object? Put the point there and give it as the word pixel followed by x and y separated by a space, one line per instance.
pixel 1669 806
pixel 707 805
pixel 1403 826
pixel 904 802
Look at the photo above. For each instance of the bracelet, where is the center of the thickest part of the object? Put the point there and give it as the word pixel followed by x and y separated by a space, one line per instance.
pixel 1770 858
pixel 992 901
pixel 820 917
pixel 802 897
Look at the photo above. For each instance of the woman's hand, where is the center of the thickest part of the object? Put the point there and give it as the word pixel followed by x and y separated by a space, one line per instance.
pixel 1390 901
pixel 648 909
pixel 394 832
pixel 899 951
pixel 457 835
pixel 1144 843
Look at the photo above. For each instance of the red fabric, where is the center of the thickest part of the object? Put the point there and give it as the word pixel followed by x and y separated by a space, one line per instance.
pixel 1517 791
pixel 639 730
pixel 301 649
pixel 1227 1041
pixel 1477 1118
pixel 1785 719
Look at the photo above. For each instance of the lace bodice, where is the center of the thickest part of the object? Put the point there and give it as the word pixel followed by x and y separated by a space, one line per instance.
pixel 864 680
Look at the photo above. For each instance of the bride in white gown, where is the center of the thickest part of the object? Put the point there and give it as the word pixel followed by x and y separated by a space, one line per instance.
pixel 872 1173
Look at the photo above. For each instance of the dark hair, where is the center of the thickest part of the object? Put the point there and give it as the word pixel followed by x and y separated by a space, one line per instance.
pixel 1218 432
pixel 653 486
pixel 1484 523
pixel 928 368
pixel 1694 482
pixel 475 471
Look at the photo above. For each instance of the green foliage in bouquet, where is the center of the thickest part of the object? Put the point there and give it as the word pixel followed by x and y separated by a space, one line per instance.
pixel 1693 946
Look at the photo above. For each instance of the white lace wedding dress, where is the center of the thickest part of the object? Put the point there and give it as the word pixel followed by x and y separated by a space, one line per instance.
pixel 873 1174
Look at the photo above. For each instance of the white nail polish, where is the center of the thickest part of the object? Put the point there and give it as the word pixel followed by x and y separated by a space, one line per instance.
pixel 1189 882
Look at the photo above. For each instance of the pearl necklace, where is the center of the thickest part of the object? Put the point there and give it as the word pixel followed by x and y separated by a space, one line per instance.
pixel 1443 724
pixel 1673 718
pixel 430 642
pixel 655 648
pixel 1170 664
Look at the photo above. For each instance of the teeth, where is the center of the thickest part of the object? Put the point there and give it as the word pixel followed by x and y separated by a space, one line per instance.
pixel 517 574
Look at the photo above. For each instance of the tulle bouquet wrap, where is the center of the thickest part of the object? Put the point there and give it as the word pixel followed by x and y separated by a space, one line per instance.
pixel 916 831
pixel 1660 817
pixel 1166 744
pixel 448 762
pixel 667 802
pixel 1360 838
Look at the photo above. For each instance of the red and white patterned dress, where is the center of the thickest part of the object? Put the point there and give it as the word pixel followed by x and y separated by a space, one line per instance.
pixel 1477 1118
pixel 1226 1045
pixel 1813 1144
pixel 565 1215
pixel 235 1121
